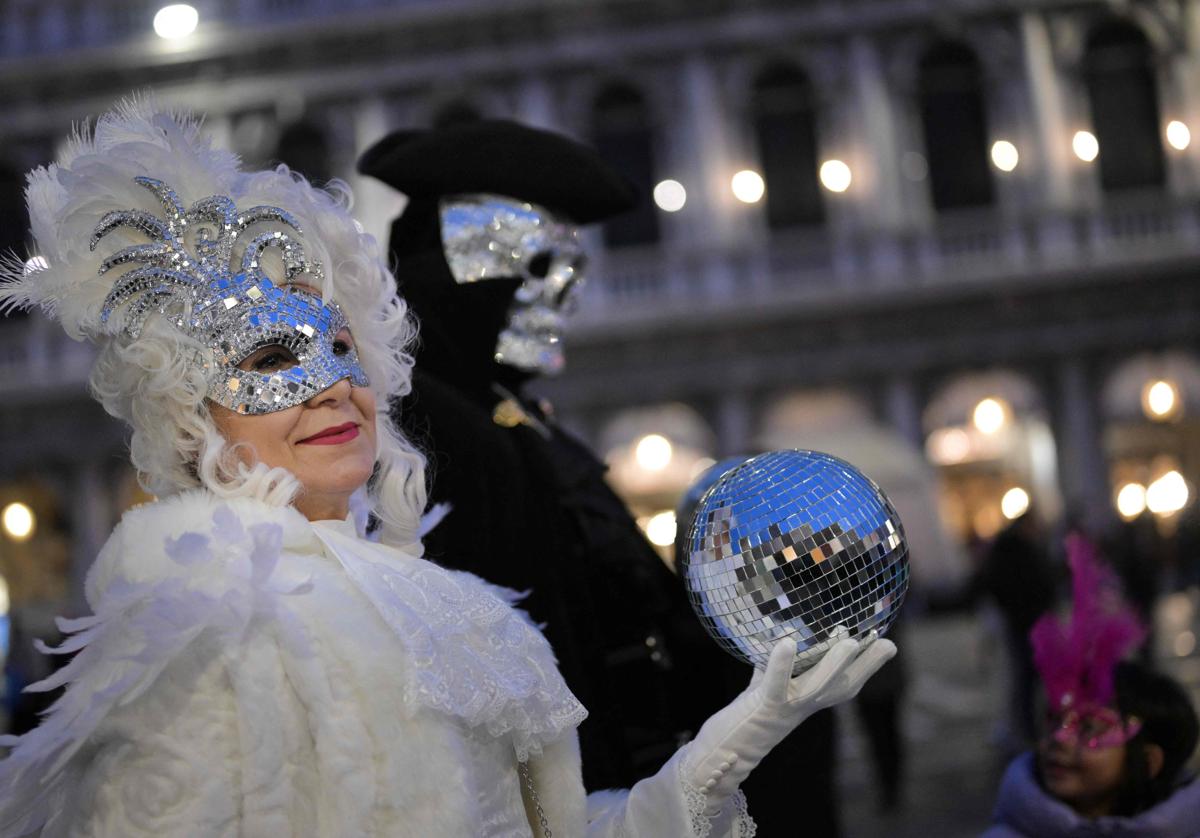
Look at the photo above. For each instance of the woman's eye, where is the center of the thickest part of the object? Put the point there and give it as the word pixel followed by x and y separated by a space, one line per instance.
pixel 340 347
pixel 270 359
pixel 269 362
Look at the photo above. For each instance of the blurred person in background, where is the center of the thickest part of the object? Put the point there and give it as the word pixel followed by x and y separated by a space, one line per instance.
pixel 1112 758
pixel 1019 579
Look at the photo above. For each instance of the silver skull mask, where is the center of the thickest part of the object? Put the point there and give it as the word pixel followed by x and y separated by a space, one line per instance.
pixel 493 237
pixel 230 306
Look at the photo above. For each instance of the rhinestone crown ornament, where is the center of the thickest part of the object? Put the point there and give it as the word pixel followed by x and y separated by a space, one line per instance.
pixel 233 311
pixel 794 544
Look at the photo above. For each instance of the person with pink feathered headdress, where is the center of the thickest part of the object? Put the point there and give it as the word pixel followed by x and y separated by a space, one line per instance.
pixel 1112 758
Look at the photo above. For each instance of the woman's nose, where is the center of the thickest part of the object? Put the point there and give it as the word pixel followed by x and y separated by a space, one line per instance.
pixel 334 394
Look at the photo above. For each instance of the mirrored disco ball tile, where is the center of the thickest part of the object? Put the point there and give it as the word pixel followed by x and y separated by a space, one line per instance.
pixel 794 544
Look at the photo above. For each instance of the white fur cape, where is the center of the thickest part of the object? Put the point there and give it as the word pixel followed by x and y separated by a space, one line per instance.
pixel 247 672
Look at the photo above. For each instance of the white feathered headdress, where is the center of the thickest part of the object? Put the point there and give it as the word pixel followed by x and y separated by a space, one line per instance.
pixel 131 148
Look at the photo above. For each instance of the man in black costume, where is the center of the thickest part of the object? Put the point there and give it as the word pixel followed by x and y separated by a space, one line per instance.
pixel 487 255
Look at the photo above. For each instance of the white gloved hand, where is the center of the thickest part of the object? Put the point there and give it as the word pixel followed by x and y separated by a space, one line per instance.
pixel 734 740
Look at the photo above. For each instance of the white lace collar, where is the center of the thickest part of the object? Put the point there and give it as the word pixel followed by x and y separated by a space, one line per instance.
pixel 473 655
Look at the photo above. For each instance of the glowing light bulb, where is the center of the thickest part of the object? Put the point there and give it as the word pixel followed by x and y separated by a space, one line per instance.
pixel 653 452
pixel 1004 155
pixel 18 521
pixel 1179 136
pixel 1168 494
pixel 1131 500
pixel 990 415
pixel 175 22
pixel 836 176
pixel 1015 503
pixel 670 196
pixel 1160 399
pixel 1085 145
pixel 748 186
pixel 661 529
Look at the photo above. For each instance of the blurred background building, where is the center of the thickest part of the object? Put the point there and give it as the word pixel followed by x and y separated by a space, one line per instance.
pixel 953 242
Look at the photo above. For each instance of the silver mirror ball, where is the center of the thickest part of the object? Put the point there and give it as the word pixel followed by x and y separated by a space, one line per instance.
pixel 794 544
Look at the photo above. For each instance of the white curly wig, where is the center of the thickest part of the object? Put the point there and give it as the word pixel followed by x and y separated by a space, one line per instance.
pixel 153 382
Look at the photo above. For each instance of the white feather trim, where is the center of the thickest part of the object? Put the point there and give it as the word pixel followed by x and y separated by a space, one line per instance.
pixel 191 568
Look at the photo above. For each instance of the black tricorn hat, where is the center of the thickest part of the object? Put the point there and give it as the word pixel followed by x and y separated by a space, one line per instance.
pixel 503 158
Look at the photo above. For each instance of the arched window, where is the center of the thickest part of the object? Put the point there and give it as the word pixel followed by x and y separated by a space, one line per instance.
pixel 304 147
pixel 950 91
pixel 1119 74
pixel 783 108
pixel 623 136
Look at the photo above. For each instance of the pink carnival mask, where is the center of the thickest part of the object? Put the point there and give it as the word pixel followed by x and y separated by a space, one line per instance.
pixel 1092 727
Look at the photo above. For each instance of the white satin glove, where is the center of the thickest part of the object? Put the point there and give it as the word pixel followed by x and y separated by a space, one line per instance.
pixel 734 740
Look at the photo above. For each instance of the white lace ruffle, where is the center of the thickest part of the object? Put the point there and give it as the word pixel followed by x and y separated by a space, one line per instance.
pixel 743 826
pixel 473 656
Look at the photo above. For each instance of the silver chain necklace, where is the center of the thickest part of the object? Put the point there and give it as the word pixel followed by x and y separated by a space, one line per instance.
pixel 523 770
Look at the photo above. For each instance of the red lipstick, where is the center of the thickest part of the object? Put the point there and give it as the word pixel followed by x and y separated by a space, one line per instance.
pixel 334 435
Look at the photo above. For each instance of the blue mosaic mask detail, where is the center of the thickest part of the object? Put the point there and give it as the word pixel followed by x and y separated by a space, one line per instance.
pixel 186 272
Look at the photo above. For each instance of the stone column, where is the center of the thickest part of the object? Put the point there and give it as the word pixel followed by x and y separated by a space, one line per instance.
pixel 734 423
pixel 1052 137
pixel 902 408
pixel 535 104
pixel 712 222
pixel 1082 466
pixel 375 203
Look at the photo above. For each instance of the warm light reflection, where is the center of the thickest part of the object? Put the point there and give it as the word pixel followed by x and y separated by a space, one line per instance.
pixel 948 446
pixel 653 452
pixel 1185 644
pixel 987 521
pixel 1131 500
pixel 1179 136
pixel 18 521
pixel 1015 503
pixel 1168 494
pixel 661 529
pixel 1004 155
pixel 177 21
pixel 670 196
pixel 990 415
pixel 1085 145
pixel 748 186
pixel 700 466
pixel 835 176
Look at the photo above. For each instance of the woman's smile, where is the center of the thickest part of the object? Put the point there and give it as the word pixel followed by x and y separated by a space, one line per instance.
pixel 334 435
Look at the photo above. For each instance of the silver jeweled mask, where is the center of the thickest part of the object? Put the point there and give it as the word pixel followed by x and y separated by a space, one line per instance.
pixel 491 237
pixel 794 544
pixel 231 311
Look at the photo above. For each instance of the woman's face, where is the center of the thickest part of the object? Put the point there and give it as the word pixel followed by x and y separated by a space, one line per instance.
pixel 328 442
pixel 1082 760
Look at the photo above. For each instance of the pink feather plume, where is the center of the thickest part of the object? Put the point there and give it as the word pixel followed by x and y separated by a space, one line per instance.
pixel 1076 657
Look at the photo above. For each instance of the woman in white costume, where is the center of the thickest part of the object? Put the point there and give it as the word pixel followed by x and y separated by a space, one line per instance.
pixel 255 665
